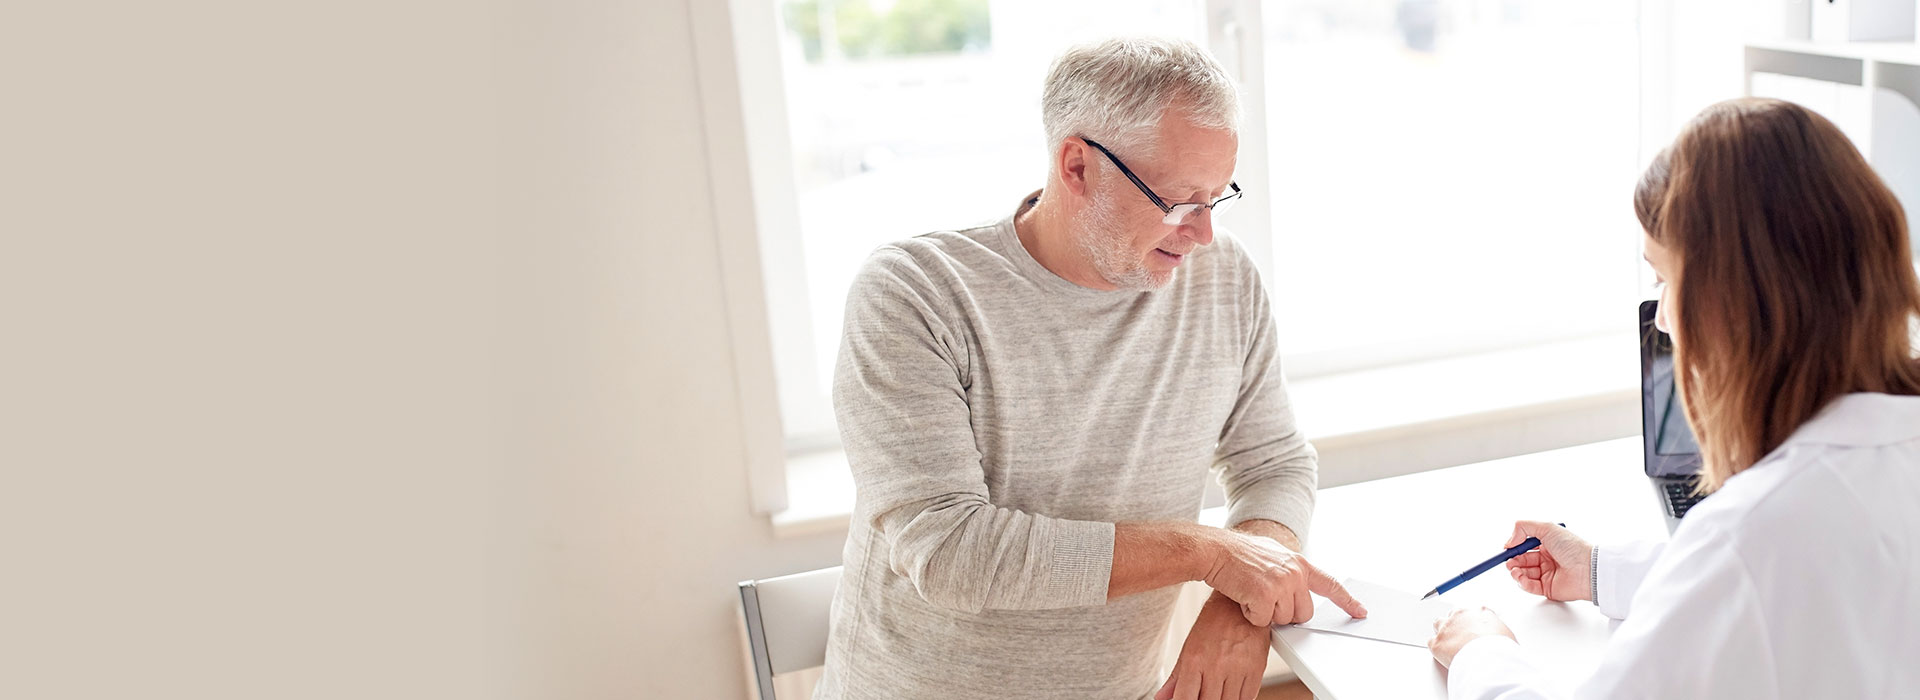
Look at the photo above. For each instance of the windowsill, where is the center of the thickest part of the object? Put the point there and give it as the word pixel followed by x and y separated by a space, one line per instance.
pixel 1383 422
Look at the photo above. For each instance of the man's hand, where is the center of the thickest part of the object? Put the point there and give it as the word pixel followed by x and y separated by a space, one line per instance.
pixel 1270 582
pixel 1452 632
pixel 1224 657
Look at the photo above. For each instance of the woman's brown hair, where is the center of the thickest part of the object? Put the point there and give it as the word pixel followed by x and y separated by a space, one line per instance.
pixel 1795 281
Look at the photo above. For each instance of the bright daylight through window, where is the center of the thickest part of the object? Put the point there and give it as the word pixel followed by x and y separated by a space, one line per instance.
pixel 1426 196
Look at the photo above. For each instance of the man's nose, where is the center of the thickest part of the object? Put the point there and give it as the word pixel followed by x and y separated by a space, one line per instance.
pixel 1199 227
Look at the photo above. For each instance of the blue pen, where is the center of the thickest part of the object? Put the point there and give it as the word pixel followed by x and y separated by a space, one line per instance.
pixel 1517 550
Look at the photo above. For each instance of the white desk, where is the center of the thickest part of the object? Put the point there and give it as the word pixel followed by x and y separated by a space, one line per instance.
pixel 1413 532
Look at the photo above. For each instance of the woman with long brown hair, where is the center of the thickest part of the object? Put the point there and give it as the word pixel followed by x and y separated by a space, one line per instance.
pixel 1790 292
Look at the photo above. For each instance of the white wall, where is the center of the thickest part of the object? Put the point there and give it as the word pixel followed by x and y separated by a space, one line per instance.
pixel 365 349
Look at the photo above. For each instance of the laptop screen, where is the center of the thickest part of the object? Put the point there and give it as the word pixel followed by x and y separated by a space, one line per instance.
pixel 1670 447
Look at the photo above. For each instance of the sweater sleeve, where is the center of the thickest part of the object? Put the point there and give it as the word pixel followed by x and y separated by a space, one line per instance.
pixel 900 398
pixel 1265 464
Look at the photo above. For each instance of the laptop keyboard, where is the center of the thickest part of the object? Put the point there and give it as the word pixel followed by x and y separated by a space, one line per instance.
pixel 1681 498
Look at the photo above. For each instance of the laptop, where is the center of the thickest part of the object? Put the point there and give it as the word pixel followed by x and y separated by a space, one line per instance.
pixel 1672 457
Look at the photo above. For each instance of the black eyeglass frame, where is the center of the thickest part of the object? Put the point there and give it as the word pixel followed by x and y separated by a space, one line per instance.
pixel 1157 201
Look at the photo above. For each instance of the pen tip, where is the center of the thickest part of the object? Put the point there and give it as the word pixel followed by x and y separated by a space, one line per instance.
pixel 1430 594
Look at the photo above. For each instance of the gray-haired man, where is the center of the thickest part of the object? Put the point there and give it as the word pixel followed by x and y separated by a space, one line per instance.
pixel 1030 409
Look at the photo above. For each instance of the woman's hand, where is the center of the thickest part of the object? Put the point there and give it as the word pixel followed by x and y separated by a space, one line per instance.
pixel 1451 633
pixel 1561 569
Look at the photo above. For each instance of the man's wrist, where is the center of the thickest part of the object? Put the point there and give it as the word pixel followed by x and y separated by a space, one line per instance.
pixel 1201 547
pixel 1271 530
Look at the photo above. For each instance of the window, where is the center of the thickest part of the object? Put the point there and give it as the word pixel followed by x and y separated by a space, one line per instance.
pixel 1415 186
pixel 1449 177
pixel 906 117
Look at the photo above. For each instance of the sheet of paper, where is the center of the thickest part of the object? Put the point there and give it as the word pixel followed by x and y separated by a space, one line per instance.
pixel 1392 615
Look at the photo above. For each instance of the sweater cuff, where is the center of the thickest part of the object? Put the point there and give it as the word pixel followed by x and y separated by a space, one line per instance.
pixel 1275 501
pixel 1081 563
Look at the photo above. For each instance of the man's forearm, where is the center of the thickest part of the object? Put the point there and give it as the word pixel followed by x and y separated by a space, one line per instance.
pixel 1156 554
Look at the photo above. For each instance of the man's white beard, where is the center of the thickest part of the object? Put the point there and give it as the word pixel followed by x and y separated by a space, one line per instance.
pixel 1102 236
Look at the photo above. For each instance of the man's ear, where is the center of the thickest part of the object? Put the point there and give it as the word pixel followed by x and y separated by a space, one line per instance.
pixel 1071 161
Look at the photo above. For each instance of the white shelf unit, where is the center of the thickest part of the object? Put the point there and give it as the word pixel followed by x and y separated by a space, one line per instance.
pixel 1889 101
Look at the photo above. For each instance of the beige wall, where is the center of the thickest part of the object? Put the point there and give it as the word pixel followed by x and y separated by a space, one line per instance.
pixel 636 474
pixel 365 349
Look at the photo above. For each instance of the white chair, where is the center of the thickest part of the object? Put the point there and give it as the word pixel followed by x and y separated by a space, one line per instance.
pixel 787 619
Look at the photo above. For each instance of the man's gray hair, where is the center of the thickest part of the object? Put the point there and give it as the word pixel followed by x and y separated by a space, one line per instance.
pixel 1114 91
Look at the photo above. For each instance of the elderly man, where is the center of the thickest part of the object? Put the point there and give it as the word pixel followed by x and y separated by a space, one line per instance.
pixel 1030 409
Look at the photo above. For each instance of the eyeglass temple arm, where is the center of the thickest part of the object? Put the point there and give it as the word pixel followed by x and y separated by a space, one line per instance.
pixel 1130 176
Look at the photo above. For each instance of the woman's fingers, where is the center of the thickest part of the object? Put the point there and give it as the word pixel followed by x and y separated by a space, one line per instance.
pixel 1531 579
pixel 1528 559
pixel 1531 528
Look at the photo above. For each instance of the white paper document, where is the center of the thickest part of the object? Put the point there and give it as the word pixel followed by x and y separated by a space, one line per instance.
pixel 1392 615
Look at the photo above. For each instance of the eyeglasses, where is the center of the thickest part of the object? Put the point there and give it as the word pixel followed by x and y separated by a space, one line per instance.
pixel 1179 213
